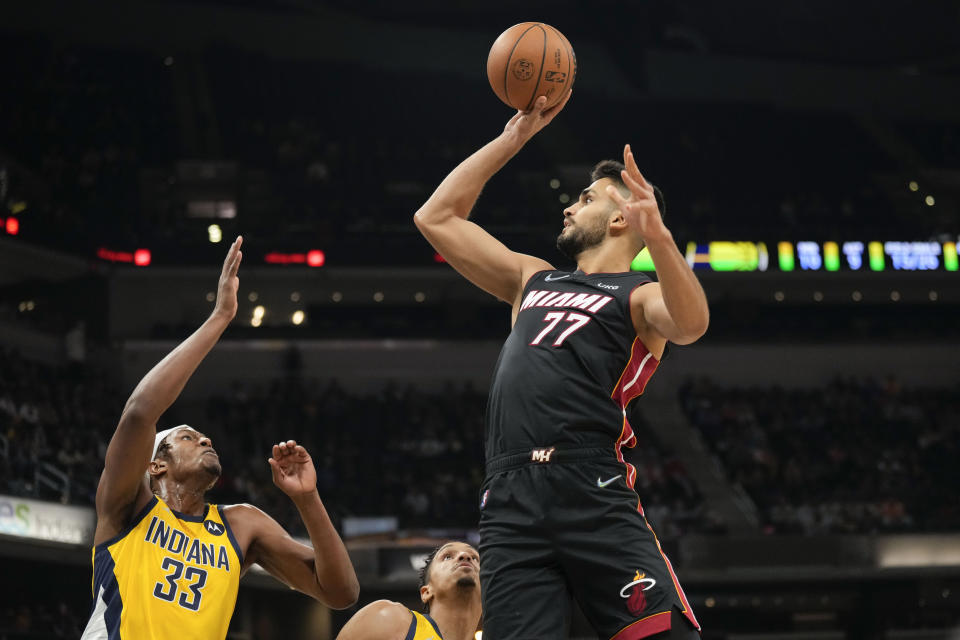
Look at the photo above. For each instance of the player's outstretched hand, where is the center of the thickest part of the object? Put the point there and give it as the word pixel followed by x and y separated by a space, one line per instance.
pixel 640 209
pixel 292 469
pixel 525 124
pixel 229 282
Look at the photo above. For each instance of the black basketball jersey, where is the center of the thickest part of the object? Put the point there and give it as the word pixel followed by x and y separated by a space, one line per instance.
pixel 570 367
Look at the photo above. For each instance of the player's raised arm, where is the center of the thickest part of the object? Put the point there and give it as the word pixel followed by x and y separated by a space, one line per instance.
pixel 442 220
pixel 676 307
pixel 122 486
pixel 324 571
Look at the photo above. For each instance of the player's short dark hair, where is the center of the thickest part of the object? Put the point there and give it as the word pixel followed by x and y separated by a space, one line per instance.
pixel 612 168
pixel 425 570
pixel 163 451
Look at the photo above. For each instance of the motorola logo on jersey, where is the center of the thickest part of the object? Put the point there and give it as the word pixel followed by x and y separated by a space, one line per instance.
pixel 213 528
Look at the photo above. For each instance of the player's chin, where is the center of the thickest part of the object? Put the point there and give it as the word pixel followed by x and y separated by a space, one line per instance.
pixel 467 582
pixel 213 468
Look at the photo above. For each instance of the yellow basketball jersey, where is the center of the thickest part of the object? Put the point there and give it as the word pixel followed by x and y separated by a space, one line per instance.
pixel 167 575
pixel 422 627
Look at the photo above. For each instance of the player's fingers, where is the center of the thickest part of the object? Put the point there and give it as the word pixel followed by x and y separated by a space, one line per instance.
pixel 228 259
pixel 641 189
pixel 631 167
pixel 552 111
pixel 537 107
pixel 237 256
pixel 236 262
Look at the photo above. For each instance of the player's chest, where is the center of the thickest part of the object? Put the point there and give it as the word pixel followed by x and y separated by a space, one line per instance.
pixel 555 317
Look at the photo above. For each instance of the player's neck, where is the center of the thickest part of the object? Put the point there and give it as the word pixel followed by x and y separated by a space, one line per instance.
pixel 457 619
pixel 182 498
pixel 606 257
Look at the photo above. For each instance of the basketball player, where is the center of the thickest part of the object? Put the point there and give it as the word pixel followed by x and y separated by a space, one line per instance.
pixel 450 591
pixel 559 516
pixel 165 563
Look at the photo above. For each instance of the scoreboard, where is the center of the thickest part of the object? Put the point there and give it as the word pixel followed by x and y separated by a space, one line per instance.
pixel 805 255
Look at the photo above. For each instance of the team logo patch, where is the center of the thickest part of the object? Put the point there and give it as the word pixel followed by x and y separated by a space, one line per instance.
pixel 523 69
pixel 483 500
pixel 632 592
pixel 213 528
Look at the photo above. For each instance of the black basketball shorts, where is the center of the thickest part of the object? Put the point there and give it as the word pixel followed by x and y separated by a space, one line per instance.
pixel 561 524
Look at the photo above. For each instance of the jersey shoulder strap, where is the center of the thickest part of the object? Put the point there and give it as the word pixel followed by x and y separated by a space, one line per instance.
pixel 422 627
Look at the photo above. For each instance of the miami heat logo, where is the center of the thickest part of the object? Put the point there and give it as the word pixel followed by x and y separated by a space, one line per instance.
pixel 632 592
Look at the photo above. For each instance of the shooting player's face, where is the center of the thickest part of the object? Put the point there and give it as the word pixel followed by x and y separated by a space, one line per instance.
pixel 585 221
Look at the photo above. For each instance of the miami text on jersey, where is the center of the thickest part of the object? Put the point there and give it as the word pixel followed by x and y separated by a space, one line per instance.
pixel 591 302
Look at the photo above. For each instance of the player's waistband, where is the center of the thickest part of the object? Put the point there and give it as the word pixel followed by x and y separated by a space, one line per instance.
pixel 546 455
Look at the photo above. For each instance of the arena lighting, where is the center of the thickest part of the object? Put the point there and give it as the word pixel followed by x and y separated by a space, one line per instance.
pixel 142 257
pixel 214 233
pixel 312 258
pixel 807 255
pixel 12 226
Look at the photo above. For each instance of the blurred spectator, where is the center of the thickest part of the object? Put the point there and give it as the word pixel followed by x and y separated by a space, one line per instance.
pixel 398 451
pixel 857 456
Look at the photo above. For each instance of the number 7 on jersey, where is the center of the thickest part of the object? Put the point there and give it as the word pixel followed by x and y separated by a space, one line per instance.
pixel 577 321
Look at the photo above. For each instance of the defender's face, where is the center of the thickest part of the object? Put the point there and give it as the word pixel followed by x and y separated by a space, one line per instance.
pixel 190 451
pixel 456 566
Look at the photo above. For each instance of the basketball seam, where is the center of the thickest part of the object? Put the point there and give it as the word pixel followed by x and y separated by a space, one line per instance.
pixel 506 71
pixel 543 58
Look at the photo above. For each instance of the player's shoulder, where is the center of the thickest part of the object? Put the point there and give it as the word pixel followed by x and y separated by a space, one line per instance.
pixel 632 276
pixel 243 510
pixel 388 611
pixel 243 516
pixel 382 619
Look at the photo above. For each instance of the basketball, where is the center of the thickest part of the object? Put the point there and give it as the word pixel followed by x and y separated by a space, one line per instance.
pixel 529 60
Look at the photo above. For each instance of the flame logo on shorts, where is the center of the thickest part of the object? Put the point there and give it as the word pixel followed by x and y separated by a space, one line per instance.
pixel 632 592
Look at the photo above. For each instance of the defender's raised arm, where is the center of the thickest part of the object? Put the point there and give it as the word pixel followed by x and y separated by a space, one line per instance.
pixel 473 252
pixel 123 488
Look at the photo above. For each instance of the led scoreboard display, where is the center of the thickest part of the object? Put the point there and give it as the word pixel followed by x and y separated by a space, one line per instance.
pixel 815 256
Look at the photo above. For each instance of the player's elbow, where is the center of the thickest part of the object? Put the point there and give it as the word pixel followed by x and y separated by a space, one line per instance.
pixel 343 596
pixel 136 412
pixel 424 217
pixel 692 331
